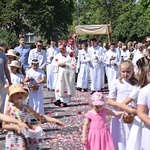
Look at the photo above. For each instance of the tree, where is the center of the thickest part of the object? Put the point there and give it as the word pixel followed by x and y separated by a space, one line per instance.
pixel 128 21
pixel 145 4
pixel 8 38
pixel 46 18
pixel 11 16
pixel 133 24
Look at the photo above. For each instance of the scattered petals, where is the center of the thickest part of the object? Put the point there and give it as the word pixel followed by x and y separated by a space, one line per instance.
pixel 73 116
pixel 79 113
pixel 50 113
pixel 51 100
pixel 57 90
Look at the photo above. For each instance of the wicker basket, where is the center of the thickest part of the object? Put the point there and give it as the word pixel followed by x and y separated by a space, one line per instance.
pixel 34 87
pixel 128 118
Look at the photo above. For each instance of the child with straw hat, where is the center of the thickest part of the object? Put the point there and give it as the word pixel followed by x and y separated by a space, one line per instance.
pixel 17 94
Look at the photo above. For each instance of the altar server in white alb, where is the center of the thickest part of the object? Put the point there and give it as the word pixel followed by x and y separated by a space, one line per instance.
pixel 36 77
pixel 64 75
pixel 50 53
pixel 112 60
pixel 83 68
pixel 96 66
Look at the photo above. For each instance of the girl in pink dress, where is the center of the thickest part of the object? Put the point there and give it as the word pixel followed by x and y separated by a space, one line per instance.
pixel 98 137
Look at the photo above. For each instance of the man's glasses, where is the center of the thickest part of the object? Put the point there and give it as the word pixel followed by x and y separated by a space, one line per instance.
pixel 39 45
pixel 35 64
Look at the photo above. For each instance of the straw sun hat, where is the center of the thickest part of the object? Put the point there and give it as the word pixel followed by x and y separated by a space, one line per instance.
pixel 15 63
pixel 16 88
pixel 12 52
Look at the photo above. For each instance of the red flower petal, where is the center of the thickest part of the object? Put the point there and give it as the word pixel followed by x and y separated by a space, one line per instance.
pixel 57 90
pixel 79 113
pixel 71 54
pixel 51 100
pixel 50 113
pixel 23 145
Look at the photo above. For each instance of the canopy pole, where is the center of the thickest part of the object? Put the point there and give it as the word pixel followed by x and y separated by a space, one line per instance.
pixel 109 34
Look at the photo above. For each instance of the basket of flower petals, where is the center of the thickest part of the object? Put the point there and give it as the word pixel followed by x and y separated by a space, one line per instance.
pixel 34 87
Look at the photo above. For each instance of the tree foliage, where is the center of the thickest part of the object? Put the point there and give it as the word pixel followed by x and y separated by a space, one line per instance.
pixel 46 18
pixel 128 21
pixel 9 38
pixel 50 18
pixel 133 24
pixel 54 19
pixel 145 4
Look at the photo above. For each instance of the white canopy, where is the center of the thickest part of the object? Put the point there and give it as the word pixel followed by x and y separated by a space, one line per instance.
pixel 93 29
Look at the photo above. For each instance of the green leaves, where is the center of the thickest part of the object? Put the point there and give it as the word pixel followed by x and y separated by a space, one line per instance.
pixel 44 17
pixel 127 18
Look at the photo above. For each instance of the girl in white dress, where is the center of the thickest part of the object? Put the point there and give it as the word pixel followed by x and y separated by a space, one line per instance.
pixel 36 77
pixel 143 109
pixel 134 142
pixel 83 68
pixel 119 91
pixel 16 76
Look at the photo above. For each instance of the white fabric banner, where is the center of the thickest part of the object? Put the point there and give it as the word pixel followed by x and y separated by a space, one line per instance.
pixel 93 29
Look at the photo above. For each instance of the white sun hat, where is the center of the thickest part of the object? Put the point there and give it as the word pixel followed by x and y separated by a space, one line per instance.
pixel 12 52
pixel 15 63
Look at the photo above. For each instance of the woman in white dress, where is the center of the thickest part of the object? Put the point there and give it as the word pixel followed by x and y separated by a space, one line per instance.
pixel 83 69
pixel 143 109
pixel 119 91
pixel 36 77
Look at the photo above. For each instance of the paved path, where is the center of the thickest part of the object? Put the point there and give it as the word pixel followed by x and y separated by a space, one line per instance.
pixel 67 138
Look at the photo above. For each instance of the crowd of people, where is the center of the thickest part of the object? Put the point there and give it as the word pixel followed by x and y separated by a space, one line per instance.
pixel 124 67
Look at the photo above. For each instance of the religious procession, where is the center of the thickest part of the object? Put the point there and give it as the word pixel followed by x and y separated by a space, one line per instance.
pixel 74 75
pixel 120 69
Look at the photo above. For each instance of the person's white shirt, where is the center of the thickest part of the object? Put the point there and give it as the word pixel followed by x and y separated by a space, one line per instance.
pixel 136 57
pixel 41 56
